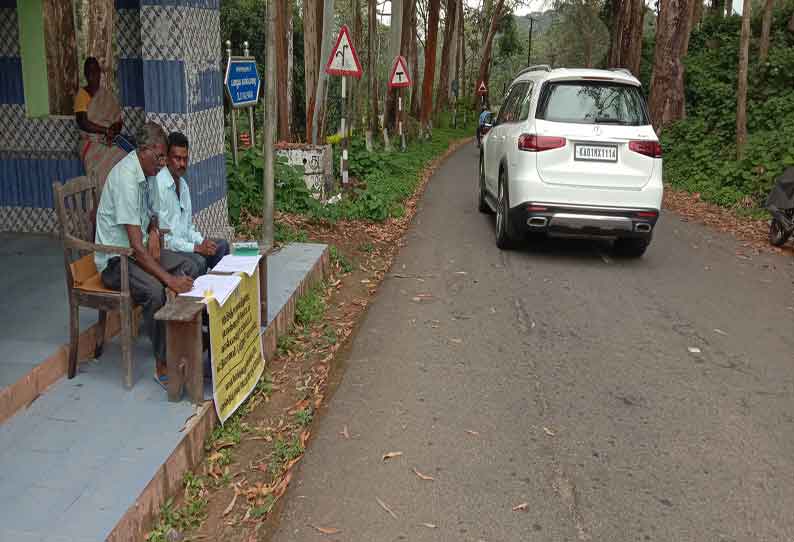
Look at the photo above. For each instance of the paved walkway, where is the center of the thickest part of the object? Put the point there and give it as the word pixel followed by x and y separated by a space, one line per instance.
pixel 75 460
pixel 34 313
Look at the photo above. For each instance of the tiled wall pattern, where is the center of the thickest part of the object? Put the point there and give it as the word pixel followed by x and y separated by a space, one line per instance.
pixel 169 72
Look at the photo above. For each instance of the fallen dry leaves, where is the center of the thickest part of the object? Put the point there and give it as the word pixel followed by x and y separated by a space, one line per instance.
pixel 391 455
pixel 521 507
pixel 423 476
pixel 386 507
pixel 327 530
pixel 428 525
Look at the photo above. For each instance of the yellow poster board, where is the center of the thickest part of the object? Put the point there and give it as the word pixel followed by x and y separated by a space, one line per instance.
pixel 236 346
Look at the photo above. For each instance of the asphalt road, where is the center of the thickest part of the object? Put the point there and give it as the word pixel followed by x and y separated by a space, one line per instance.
pixel 559 377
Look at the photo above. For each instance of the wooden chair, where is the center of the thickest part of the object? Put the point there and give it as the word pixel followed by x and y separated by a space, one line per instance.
pixel 76 203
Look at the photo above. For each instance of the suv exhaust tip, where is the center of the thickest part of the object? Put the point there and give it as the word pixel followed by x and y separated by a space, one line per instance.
pixel 537 222
pixel 642 228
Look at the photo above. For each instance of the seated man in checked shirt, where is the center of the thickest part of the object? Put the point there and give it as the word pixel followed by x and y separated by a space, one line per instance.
pixel 170 200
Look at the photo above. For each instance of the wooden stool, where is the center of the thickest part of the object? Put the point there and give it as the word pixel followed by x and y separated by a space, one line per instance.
pixel 182 316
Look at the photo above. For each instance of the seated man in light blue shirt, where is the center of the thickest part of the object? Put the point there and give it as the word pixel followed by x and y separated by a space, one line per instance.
pixel 123 220
pixel 171 204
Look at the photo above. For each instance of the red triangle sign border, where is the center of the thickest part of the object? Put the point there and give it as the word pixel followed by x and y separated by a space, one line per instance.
pixel 399 61
pixel 358 71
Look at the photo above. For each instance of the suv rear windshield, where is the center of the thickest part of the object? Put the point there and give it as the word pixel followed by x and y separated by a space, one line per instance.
pixel 588 102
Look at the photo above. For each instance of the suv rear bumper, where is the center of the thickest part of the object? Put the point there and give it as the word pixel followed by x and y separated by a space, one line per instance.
pixel 584 220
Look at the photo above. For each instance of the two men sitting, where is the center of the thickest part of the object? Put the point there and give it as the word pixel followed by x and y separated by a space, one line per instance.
pixel 130 214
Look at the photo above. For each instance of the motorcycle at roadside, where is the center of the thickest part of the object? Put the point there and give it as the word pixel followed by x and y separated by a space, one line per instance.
pixel 780 204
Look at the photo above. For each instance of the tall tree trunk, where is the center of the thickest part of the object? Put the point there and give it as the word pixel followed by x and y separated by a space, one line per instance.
pixel 312 30
pixel 290 68
pixel 741 86
pixel 100 40
pixel 666 103
pixel 485 51
pixel 718 7
pixel 690 24
pixel 358 38
pixel 461 69
pixel 430 63
pixel 283 14
pixel 766 28
pixel 790 24
pixel 416 100
pixel 442 95
pixel 60 35
pixel 625 50
pixel 320 106
pixel 395 42
pixel 372 64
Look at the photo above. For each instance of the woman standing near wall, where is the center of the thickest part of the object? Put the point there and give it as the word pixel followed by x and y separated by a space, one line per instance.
pixel 98 116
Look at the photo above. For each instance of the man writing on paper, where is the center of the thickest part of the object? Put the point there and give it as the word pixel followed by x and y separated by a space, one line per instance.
pixel 171 204
pixel 123 220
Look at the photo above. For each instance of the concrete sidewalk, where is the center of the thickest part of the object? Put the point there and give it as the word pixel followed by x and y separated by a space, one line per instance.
pixel 77 460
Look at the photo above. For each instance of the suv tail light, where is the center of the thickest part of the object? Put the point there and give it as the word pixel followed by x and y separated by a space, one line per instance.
pixel 648 148
pixel 538 143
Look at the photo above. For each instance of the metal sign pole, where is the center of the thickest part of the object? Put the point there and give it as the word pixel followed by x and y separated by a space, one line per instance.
pixel 400 106
pixel 344 133
pixel 233 111
pixel 251 108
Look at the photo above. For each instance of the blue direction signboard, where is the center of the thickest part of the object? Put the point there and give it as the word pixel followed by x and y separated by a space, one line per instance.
pixel 242 81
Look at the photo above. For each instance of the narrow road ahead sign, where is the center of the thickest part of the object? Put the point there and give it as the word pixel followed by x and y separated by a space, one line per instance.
pixel 482 90
pixel 399 77
pixel 344 60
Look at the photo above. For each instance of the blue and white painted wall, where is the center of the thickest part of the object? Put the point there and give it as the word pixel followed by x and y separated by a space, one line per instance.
pixel 169 71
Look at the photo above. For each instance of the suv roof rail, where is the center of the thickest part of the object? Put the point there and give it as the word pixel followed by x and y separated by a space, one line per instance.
pixel 535 68
pixel 622 70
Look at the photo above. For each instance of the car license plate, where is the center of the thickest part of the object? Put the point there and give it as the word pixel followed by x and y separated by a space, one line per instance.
pixel 596 153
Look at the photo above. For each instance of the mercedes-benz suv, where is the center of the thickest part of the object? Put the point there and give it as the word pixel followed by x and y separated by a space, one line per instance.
pixel 572 153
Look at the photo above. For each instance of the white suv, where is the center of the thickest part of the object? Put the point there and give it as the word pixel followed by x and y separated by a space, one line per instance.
pixel 573 153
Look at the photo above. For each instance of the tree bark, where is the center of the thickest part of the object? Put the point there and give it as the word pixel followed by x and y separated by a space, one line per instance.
pixel 766 29
pixel 666 102
pixel 312 25
pixel 100 40
pixel 485 51
pixel 430 63
pixel 372 65
pixel 283 14
pixel 442 96
pixel 741 87
pixel 395 44
pixel 790 25
pixel 690 24
pixel 318 123
pixel 625 50
pixel 61 53
pixel 416 100
pixel 358 38
pixel 718 7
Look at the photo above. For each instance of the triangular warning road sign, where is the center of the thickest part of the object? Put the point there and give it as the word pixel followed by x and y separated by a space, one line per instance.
pixel 399 77
pixel 482 89
pixel 344 60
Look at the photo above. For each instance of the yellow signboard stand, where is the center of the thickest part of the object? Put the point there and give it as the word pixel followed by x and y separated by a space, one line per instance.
pixel 236 346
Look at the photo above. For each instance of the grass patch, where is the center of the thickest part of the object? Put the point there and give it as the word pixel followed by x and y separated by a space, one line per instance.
pixel 188 516
pixel 283 453
pixel 310 306
pixel 304 417
pixel 285 234
pixel 339 259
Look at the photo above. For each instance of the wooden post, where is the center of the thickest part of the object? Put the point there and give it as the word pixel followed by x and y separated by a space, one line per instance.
pixel 400 113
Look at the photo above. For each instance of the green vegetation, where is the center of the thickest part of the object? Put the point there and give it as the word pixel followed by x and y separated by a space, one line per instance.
pixel 310 307
pixel 339 259
pixel 700 151
pixel 383 181
pixel 188 516
pixel 283 453
pixel 304 417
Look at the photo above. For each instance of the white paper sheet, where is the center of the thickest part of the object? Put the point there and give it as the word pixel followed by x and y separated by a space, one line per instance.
pixel 218 286
pixel 237 264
